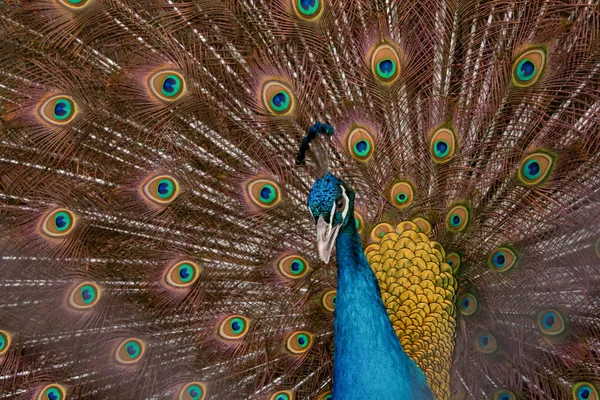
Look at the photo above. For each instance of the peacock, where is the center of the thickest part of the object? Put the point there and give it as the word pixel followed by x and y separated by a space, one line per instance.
pixel 300 199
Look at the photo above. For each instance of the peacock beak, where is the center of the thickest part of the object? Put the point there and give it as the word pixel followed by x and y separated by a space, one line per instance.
pixel 326 235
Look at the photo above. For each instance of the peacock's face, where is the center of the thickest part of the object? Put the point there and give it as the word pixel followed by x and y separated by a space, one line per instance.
pixel 330 203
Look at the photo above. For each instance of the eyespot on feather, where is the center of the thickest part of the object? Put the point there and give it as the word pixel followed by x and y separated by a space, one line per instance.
pixel 326 396
pixel 535 168
pixel 458 394
pixel 264 193
pixel 182 274
pixel 380 230
pixel 551 322
pixel 130 351
pixel 293 267
pixel 485 343
pixel 283 395
pixel 361 144
pixel 584 391
pixel 167 85
pixel 328 300
pixel 528 67
pixel 84 296
pixel 58 223
pixel 385 63
pixel 442 145
pixel 453 259
pixel 234 327
pixel 299 342
pixel 457 218
pixel 58 110
pixel 52 392
pixel 423 224
pixel 358 222
pixel 308 10
pixel 277 98
pixel 5 340
pixel 75 5
pixel 467 304
pixel 402 195
pixel 193 391
pixel 502 259
pixel 504 394
pixel 161 189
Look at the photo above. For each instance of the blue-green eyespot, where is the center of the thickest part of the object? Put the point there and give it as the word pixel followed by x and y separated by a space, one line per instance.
pixel 58 110
pixel 130 351
pixel 58 223
pixel 292 267
pixel 528 67
pixel 535 168
pixel 167 85
pixel 161 189
pixel 264 193
pixel 277 98
pixel 385 63
pixel 234 327
pixel 299 342
pixel 193 391
pixel 84 296
pixel 585 391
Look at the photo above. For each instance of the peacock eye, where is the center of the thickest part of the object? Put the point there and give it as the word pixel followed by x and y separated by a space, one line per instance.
pixel 504 395
pixel 534 169
pixel 402 195
pixel 264 193
pixel 234 327
pixel 182 274
pixel 161 189
pixel 443 145
pixel 277 98
pixel 84 296
pixel 167 85
pixel 529 67
pixel 380 230
pixel 551 322
pixel 328 300
pixel 4 342
pixel 453 259
pixel 299 342
pixel 130 351
pixel 339 204
pixel 58 223
pixel 52 392
pixel 193 391
pixel 584 391
pixel 283 395
pixel 502 259
pixel 486 343
pixel 74 4
pixel 307 9
pixel 361 144
pixel 58 110
pixel 457 218
pixel 467 304
pixel 423 224
pixel 385 64
pixel 293 267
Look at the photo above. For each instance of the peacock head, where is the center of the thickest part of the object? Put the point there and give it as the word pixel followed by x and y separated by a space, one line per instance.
pixel 331 204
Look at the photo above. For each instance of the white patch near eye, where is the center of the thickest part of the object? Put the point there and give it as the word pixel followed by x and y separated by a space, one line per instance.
pixel 346 204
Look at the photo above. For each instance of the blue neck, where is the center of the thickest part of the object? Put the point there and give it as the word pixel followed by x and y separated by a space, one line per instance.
pixel 369 362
